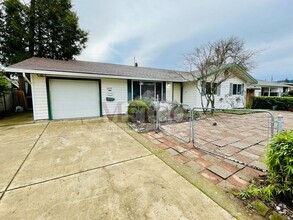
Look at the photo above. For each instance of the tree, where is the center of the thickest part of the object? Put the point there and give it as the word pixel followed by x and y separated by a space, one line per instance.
pixel 212 64
pixel 42 28
pixel 4 87
pixel 56 32
pixel 13 37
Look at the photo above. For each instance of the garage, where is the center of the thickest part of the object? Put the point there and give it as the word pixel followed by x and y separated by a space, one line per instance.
pixel 73 98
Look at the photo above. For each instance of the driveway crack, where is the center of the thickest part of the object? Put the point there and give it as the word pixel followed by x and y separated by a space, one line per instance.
pixel 6 189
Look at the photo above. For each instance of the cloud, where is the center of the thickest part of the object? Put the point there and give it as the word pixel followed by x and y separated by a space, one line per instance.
pixel 120 30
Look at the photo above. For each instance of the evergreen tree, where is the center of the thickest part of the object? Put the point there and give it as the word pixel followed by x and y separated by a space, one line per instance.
pixel 13 32
pixel 43 29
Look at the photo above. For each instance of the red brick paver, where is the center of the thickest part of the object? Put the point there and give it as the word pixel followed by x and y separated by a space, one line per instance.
pixel 237 137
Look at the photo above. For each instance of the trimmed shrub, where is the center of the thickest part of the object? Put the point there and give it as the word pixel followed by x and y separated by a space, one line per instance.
pixel 275 103
pixel 137 111
pixel 280 164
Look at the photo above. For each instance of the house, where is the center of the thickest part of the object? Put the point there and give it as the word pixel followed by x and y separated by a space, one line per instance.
pixel 267 88
pixel 75 89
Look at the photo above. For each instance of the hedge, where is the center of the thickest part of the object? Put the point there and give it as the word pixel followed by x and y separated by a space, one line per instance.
pixel 275 103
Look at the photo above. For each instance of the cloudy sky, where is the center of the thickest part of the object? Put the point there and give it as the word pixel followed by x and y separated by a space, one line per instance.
pixel 158 32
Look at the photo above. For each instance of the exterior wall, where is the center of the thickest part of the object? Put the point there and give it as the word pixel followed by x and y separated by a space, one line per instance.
pixel 39 93
pixel 114 88
pixel 224 100
pixel 169 91
pixel 257 92
pixel 192 97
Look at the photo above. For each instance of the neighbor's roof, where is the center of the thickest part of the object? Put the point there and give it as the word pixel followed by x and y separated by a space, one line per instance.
pixel 262 83
pixel 44 66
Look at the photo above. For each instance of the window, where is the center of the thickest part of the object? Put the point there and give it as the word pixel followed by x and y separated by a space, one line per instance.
pixel 150 90
pixel 209 87
pixel 136 90
pixel 237 89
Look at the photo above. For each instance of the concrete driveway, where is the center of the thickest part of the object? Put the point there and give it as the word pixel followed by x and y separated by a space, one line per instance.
pixel 91 169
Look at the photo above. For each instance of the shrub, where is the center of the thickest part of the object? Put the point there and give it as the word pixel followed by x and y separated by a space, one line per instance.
pixel 279 183
pixel 280 164
pixel 137 111
pixel 276 103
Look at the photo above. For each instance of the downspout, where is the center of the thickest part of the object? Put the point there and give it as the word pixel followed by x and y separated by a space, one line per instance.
pixel 26 79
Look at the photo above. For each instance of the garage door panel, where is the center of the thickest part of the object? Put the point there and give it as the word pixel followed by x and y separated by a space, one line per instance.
pixel 74 98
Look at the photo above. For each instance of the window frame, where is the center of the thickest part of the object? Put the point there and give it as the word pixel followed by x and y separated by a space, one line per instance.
pixel 238 89
pixel 140 89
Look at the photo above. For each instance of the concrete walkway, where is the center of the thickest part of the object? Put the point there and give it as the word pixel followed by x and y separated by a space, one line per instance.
pixel 91 169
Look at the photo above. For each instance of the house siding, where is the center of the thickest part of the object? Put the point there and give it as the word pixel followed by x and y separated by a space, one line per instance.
pixel 39 94
pixel 227 100
pixel 114 88
pixel 192 97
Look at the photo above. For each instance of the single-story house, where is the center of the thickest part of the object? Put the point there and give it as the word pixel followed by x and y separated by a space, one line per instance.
pixel 267 88
pixel 76 89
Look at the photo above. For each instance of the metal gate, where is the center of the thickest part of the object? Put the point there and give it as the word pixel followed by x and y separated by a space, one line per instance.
pixel 238 135
pixel 175 119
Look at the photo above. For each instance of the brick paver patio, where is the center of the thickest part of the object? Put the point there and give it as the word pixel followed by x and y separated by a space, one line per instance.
pixel 238 137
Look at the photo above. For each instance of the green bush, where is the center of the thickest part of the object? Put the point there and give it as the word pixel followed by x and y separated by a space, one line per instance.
pixel 276 103
pixel 137 111
pixel 280 164
pixel 279 182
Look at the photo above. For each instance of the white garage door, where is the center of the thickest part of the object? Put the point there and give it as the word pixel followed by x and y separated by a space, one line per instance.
pixel 74 98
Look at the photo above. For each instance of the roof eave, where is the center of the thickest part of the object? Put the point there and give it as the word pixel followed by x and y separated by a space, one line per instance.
pixel 83 75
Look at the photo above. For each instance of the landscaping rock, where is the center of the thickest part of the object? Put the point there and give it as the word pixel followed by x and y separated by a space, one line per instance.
pixel 276 216
pixel 260 207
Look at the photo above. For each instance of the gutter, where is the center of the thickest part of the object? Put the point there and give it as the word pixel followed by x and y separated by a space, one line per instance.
pixel 85 75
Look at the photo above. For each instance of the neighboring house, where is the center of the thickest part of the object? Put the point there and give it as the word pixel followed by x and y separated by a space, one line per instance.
pixel 74 89
pixel 266 88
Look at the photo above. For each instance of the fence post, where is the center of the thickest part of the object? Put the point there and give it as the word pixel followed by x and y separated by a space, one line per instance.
pixel 280 123
pixel 192 126
pixel 157 116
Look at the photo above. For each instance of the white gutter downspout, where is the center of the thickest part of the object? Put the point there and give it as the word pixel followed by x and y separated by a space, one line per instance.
pixel 26 79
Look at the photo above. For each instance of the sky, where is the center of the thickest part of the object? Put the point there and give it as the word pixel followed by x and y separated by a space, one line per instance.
pixel 158 32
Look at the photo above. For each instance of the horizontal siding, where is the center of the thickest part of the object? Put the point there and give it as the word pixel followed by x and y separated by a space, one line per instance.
pixel 192 97
pixel 224 100
pixel 119 92
pixel 39 91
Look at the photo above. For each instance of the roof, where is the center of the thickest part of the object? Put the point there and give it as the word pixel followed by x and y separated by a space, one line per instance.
pixel 262 83
pixel 240 73
pixel 38 65
pixel 78 68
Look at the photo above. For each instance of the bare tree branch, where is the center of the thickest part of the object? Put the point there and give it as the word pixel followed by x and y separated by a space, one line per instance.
pixel 216 62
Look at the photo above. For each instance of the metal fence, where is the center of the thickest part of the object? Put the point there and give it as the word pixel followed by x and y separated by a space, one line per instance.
pixel 175 119
pixel 227 133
